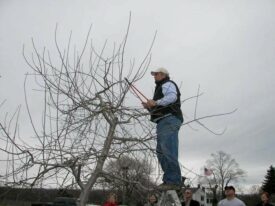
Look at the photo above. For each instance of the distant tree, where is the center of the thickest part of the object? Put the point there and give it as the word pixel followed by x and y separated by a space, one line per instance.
pixel 250 199
pixel 130 170
pixel 225 170
pixel 269 182
pixel 255 189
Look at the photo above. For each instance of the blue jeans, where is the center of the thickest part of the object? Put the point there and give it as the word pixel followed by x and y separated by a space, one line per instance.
pixel 167 149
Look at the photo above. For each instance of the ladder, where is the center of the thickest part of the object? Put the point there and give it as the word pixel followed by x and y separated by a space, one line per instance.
pixel 169 198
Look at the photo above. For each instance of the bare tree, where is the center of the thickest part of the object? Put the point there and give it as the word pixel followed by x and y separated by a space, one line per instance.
pixel 131 170
pixel 255 190
pixel 225 170
pixel 85 120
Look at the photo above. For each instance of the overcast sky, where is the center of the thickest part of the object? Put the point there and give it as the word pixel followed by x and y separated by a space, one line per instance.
pixel 226 47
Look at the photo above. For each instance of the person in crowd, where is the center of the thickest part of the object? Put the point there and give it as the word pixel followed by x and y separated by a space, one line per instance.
pixel 188 199
pixel 152 200
pixel 230 198
pixel 264 200
pixel 112 200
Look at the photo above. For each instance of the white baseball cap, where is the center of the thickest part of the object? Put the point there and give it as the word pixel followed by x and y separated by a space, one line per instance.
pixel 160 70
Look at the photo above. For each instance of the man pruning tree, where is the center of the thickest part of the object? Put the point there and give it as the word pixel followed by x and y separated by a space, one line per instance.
pixel 166 113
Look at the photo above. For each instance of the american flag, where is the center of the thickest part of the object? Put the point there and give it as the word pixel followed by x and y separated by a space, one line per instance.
pixel 207 172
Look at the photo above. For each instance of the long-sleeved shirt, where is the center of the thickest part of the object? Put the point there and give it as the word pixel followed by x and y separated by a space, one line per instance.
pixel 170 94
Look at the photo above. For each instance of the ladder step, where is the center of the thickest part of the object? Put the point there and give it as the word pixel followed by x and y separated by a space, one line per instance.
pixel 169 198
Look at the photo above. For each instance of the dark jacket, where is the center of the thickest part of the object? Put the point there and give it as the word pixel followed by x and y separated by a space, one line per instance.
pixel 110 204
pixel 174 108
pixel 261 204
pixel 149 204
pixel 192 203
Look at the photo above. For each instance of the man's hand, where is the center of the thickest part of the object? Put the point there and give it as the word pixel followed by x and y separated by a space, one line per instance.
pixel 149 104
pixel 144 104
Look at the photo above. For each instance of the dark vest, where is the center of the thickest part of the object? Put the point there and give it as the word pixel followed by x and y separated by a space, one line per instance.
pixel 174 108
